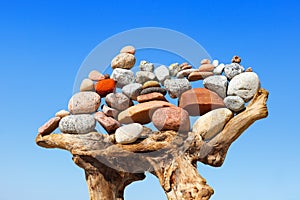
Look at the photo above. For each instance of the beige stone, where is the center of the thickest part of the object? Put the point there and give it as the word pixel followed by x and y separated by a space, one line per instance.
pixel 62 113
pixel 87 85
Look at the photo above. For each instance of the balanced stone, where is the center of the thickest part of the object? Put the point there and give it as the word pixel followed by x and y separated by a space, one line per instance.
pixel 87 85
pixel 196 76
pixel 110 112
pixel 146 66
pixel 105 86
pixel 84 102
pixel 49 126
pixel 62 113
pixel 96 76
pixel 186 73
pixel 219 69
pixel 151 97
pixel 233 69
pixel 144 76
pixel 128 49
pixel 212 123
pixel 206 68
pixel 217 84
pixel 142 112
pixel 234 103
pixel 162 73
pixel 132 90
pixel 174 69
pixel 108 123
pixel 77 124
pixel 199 101
pixel 176 87
pixel 150 84
pixel 123 60
pixel 123 77
pixel 186 67
pixel 154 89
pixel 205 61
pixel 215 63
pixel 171 118
pixel 118 101
pixel 128 133
pixel 244 85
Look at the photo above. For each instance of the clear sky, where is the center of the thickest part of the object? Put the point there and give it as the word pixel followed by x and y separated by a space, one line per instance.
pixel 43 43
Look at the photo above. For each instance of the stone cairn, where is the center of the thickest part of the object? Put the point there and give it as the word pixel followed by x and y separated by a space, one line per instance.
pixel 142 98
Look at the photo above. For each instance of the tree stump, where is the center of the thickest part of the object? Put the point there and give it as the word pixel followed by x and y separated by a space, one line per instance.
pixel 172 157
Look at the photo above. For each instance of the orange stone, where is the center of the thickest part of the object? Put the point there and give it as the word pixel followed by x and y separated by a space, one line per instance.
pixel 199 101
pixel 206 68
pixel 105 86
pixel 150 97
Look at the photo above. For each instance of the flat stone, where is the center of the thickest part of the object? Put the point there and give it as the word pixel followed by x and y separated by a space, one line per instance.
pixel 144 76
pixel 118 101
pixel 249 69
pixel 199 101
pixel 244 85
pixel 219 69
pixel 110 112
pixel 162 73
pixel 84 103
pixel 142 112
pixel 174 69
pixel 206 68
pixel 77 124
pixel 171 118
pixel 123 77
pixel 132 90
pixel 62 113
pixel 186 67
pixel 108 123
pixel 205 61
pixel 196 76
pixel 154 89
pixel 176 87
pixel 128 49
pixel 87 85
pixel 234 103
pixel 150 84
pixel 186 73
pixel 212 123
pixel 146 66
pixel 49 126
pixel 128 133
pixel 151 97
pixel 215 63
pixel 123 60
pixel 105 86
pixel 233 69
pixel 217 84
pixel 95 75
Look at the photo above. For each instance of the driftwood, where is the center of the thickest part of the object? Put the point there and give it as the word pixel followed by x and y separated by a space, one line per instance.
pixel 172 157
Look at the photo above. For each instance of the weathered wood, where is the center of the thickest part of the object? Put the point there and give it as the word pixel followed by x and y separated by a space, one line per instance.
pixel 170 156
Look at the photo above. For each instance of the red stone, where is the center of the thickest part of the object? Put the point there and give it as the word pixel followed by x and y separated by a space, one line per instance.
pixel 49 126
pixel 199 101
pixel 171 118
pixel 105 86
pixel 108 123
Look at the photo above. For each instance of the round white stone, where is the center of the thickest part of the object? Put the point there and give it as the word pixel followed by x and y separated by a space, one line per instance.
pixel 128 133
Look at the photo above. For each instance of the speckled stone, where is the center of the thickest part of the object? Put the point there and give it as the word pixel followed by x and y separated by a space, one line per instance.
pixel 128 133
pixel 144 76
pixel 146 66
pixel 162 73
pixel 233 69
pixel 244 85
pixel 118 101
pixel 77 124
pixel 132 90
pixel 123 77
pixel 217 84
pixel 123 60
pixel 128 49
pixel 176 87
pixel 234 103
pixel 84 103
pixel 154 89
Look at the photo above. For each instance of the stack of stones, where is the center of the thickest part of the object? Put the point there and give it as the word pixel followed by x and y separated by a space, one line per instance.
pixel 131 100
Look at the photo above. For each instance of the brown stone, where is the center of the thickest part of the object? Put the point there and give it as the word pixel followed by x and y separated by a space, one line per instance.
pixel 49 126
pixel 128 49
pixel 151 97
pixel 108 123
pixel 186 67
pixel 195 76
pixel 249 69
pixel 110 112
pixel 236 59
pixel 199 101
pixel 205 61
pixel 206 68
pixel 96 76
pixel 141 113
pixel 150 84
pixel 171 118
pixel 118 101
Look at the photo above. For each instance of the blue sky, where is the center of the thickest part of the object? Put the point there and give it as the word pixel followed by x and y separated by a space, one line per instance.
pixel 43 43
